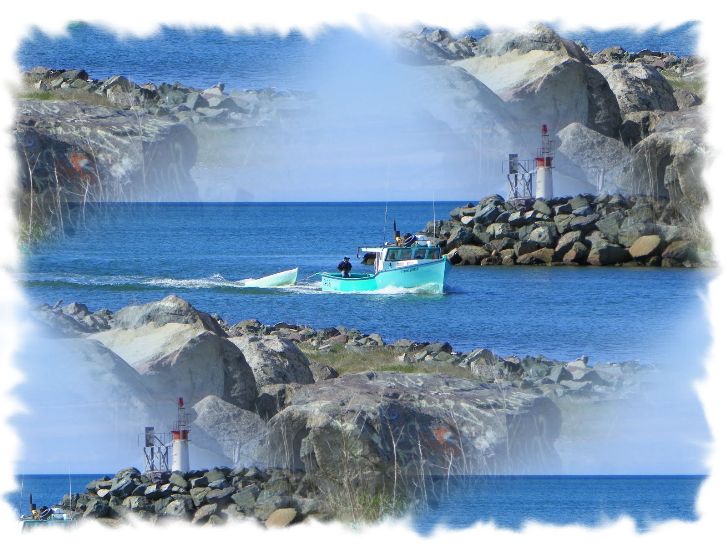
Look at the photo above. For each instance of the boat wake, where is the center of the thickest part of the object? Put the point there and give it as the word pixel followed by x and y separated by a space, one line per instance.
pixel 132 282
pixel 123 283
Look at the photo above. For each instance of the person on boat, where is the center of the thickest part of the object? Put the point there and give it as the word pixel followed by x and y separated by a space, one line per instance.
pixel 345 267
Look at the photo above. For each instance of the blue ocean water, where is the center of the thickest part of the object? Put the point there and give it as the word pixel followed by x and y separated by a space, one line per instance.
pixel 512 501
pixel 203 57
pixel 134 253
pixel 507 501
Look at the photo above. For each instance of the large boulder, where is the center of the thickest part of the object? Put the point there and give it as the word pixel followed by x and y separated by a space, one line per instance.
pixel 239 435
pixel 205 364
pixel 605 253
pixel 171 309
pixel 95 153
pixel 547 78
pixel 646 247
pixel 598 159
pixel 470 255
pixel 364 427
pixel 638 86
pixel 274 360
pixel 668 163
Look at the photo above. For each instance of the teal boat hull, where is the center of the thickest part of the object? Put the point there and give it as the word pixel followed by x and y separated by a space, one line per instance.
pixel 428 277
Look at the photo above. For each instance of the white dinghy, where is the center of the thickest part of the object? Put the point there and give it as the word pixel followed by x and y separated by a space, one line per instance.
pixel 283 278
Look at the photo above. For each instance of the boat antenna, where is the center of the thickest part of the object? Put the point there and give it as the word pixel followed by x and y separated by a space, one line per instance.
pixel 20 499
pixel 386 206
pixel 434 222
pixel 384 228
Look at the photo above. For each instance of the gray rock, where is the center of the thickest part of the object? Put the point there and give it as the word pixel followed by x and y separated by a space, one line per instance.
pixel 604 253
pixel 274 360
pixel 686 99
pixel 203 513
pixel 565 243
pixel 630 231
pixel 540 256
pixel 171 309
pixel 638 87
pixel 96 508
pixel 246 498
pixel 123 487
pixel 501 230
pixel 219 495
pixel 525 247
pixel 539 205
pixel 180 507
pixel 487 214
pixel 544 235
pixel 460 236
pixel 578 254
pixel 353 414
pixel 471 254
pixel 610 224
pixel 681 251
pixel 322 372
pixel 584 223
pixel 563 222
pixel 138 504
pixel 235 433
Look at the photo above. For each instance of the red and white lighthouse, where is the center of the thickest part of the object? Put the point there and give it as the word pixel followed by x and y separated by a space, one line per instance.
pixel 180 440
pixel 544 161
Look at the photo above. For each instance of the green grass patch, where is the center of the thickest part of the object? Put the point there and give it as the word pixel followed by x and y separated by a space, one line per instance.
pixel 694 84
pixel 377 359
pixel 68 94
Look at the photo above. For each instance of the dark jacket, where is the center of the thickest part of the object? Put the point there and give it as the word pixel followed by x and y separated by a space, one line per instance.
pixel 344 266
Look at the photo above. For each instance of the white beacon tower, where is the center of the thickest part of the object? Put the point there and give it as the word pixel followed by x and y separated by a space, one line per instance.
pixel 544 162
pixel 180 440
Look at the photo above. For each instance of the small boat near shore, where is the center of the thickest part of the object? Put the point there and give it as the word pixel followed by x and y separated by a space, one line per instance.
pixel 419 266
pixel 282 278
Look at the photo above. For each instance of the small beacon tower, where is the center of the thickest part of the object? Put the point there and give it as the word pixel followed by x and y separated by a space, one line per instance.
pixel 180 440
pixel 544 162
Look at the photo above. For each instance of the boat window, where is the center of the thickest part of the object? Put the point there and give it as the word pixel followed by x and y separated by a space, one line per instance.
pixel 420 253
pixel 433 253
pixel 398 254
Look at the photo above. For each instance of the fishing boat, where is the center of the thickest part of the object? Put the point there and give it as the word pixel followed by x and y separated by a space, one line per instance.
pixel 419 264
pixel 45 517
pixel 283 278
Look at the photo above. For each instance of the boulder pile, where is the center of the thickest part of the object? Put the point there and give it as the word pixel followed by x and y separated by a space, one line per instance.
pixel 273 497
pixel 582 230
pixel 268 402
pixel 174 102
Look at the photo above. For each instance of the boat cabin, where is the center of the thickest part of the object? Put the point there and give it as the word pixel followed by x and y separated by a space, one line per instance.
pixel 394 257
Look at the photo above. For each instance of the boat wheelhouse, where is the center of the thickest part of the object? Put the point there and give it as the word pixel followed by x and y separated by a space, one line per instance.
pixel 418 266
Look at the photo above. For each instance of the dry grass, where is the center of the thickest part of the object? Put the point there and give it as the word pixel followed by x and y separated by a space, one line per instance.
pixel 378 359
pixel 694 84
pixel 81 95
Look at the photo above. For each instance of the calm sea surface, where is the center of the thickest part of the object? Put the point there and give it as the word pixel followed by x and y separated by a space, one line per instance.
pixel 507 501
pixel 137 253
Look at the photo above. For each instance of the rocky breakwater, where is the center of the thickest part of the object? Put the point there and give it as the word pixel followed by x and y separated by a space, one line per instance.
pixel 273 497
pixel 582 230
pixel 265 397
pixel 80 140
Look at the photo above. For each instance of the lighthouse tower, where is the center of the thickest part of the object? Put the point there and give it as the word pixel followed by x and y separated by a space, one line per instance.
pixel 544 161
pixel 180 440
